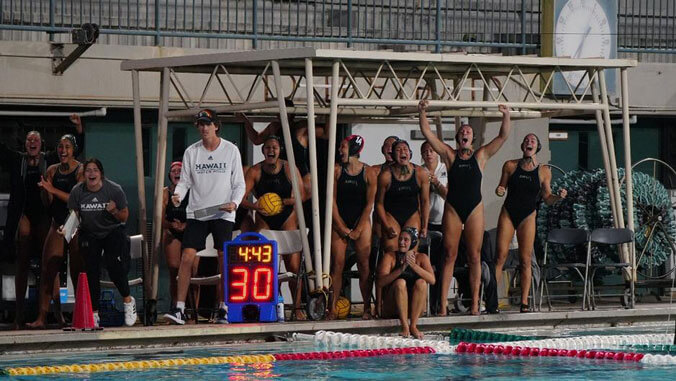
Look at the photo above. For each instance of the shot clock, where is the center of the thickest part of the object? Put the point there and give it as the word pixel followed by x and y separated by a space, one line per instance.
pixel 250 281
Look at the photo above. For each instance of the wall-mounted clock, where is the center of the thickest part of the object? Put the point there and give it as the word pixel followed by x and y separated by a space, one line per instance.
pixel 580 29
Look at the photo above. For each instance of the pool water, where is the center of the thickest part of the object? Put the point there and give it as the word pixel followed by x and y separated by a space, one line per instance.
pixel 396 367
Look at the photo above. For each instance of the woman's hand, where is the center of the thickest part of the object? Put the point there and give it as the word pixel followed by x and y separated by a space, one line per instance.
pixel 46 185
pixel 422 106
pixel 500 191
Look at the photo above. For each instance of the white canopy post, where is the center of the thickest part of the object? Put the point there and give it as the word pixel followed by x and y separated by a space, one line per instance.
pixel 159 180
pixel 296 183
pixel 624 251
pixel 312 143
pixel 331 162
pixel 604 150
pixel 629 180
pixel 140 178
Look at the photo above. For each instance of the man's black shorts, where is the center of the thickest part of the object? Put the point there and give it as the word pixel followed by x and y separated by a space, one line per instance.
pixel 196 232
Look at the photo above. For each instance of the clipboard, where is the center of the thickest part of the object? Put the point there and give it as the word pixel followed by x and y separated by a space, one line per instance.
pixel 208 211
pixel 70 226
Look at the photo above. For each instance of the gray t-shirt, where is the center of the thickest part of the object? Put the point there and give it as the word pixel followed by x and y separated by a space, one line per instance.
pixel 94 218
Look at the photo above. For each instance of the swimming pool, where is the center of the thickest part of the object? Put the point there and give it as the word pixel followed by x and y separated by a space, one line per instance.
pixel 389 367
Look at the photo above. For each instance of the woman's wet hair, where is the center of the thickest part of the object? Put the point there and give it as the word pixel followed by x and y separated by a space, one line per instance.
pixel 457 134
pixel 97 162
pixel 413 232
pixel 402 141
pixel 71 139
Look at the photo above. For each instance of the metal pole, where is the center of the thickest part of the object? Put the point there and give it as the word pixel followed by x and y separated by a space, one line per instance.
pixel 312 143
pixel 254 40
pixel 627 167
pixel 140 176
pixel 296 183
pixel 159 179
pixel 413 104
pixel 157 23
pixel 349 23
pixel 437 35
pixel 624 250
pixel 604 150
pixel 611 148
pixel 331 162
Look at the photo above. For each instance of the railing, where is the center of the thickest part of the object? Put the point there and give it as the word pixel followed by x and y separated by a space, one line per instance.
pixel 645 26
pixel 435 24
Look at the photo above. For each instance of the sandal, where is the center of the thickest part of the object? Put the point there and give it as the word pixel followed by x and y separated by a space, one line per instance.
pixel 524 308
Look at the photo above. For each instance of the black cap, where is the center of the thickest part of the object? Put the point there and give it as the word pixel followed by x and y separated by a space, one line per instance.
pixel 205 115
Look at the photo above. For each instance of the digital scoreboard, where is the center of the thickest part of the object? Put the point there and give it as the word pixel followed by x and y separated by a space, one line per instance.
pixel 250 278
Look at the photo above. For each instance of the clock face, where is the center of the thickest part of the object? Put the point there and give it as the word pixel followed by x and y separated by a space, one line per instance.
pixel 582 30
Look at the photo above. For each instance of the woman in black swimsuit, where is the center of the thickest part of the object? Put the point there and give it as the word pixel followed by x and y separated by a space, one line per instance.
pixel 403 196
pixel 353 196
pixel 273 175
pixel 299 143
pixel 59 179
pixel 463 200
pixel 403 277
pixel 173 223
pixel 526 181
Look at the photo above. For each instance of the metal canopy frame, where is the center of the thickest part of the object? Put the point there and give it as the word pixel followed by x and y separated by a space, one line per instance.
pixel 383 86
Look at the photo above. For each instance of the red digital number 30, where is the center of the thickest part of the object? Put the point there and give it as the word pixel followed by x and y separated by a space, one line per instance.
pixel 261 287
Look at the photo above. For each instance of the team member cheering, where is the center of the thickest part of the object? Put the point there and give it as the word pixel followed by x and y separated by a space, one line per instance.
pixel 212 172
pixel 525 181
pixel 404 275
pixel 299 142
pixel 463 200
pixel 173 223
pixel 438 191
pixel 57 184
pixel 273 175
pixel 403 196
pixel 353 196
pixel 102 207
pixel 27 218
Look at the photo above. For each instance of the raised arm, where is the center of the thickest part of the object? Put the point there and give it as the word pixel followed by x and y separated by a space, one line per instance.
pixel 484 153
pixel 547 195
pixel 258 138
pixel 446 153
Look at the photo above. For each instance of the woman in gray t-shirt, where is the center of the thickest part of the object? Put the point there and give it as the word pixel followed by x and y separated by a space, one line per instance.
pixel 102 208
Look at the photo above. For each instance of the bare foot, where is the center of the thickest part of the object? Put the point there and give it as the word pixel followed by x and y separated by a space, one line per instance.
pixel 38 324
pixel 332 315
pixel 19 326
pixel 366 316
pixel 416 333
pixel 300 315
pixel 475 312
pixel 405 332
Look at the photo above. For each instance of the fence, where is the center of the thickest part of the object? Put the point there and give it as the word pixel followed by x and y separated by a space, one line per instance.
pixel 645 26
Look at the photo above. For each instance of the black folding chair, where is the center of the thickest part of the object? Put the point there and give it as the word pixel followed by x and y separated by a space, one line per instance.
pixel 612 236
pixel 565 236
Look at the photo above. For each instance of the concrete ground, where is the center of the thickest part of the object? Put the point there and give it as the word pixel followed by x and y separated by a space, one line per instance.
pixel 163 335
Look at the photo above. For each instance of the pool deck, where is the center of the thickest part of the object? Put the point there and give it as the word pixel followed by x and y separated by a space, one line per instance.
pixel 163 335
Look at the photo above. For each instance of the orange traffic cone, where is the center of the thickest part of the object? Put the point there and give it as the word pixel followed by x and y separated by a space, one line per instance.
pixel 83 317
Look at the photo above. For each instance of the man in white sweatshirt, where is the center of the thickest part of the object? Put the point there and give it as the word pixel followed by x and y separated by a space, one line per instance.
pixel 212 172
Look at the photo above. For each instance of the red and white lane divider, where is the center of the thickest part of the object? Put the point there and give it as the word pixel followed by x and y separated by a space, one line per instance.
pixel 597 347
pixel 353 353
